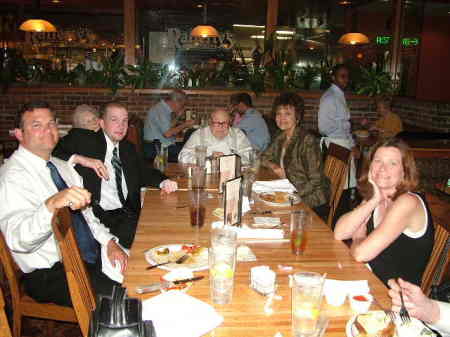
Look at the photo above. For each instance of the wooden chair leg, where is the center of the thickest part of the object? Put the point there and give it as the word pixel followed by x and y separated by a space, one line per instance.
pixel 17 324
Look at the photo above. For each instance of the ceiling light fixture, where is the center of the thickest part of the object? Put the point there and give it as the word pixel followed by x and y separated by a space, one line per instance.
pixel 247 26
pixel 204 30
pixel 37 24
pixel 353 39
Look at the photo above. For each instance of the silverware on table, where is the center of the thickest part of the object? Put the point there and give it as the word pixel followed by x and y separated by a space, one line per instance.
pixel 165 284
pixel 389 313
pixel 270 212
pixel 177 261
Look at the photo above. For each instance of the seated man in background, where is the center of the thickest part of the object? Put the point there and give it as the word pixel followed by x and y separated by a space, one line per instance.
pixel 116 198
pixel 250 121
pixel 219 138
pixel 33 186
pixel 161 127
pixel 389 124
pixel 85 117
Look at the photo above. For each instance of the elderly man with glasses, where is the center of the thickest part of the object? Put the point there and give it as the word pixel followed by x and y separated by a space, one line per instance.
pixel 219 138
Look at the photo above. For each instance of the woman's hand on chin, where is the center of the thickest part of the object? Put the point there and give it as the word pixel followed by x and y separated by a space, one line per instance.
pixel 377 197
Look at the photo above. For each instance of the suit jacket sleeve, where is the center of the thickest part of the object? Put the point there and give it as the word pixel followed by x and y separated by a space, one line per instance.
pixel 66 147
pixel 149 176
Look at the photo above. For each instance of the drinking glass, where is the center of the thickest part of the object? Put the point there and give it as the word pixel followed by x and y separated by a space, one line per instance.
pixel 197 199
pixel 306 302
pixel 200 155
pixel 300 221
pixel 198 177
pixel 248 180
pixel 222 264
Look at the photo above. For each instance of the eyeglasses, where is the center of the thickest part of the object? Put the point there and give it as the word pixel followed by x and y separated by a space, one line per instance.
pixel 221 124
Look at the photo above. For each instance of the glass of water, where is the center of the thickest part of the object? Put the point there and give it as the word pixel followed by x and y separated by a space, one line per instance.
pixel 306 303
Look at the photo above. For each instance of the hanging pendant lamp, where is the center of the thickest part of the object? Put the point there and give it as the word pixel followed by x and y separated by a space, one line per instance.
pixel 204 30
pixel 37 24
pixel 353 39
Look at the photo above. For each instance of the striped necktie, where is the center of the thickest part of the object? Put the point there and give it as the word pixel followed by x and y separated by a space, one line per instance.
pixel 117 165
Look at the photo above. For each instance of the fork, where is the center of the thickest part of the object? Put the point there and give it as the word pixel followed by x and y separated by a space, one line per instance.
pixel 404 315
pixel 180 260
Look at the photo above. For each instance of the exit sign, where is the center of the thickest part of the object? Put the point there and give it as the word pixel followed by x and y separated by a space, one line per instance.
pixel 406 42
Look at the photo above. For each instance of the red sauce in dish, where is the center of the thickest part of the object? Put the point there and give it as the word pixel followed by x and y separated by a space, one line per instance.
pixel 360 298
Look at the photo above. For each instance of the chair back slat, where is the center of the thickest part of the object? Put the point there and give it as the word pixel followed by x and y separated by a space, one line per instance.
pixel 336 169
pixel 80 288
pixel 434 272
pixel 5 331
pixel 12 271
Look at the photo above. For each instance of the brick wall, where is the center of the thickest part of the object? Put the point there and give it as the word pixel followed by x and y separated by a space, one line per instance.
pixel 64 100
pixel 427 115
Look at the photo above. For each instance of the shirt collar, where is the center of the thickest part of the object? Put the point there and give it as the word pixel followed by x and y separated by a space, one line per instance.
pixel 336 89
pixel 33 159
pixel 109 144
pixel 166 106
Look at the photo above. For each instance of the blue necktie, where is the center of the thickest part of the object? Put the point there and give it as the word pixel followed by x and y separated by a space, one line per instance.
pixel 86 242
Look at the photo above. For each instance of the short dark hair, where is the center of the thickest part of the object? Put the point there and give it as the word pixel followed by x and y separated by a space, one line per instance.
pixel 114 104
pixel 386 100
pixel 338 67
pixel 289 99
pixel 241 97
pixel 18 122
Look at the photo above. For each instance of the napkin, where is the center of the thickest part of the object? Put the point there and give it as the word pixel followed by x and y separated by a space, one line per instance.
pixel 245 232
pixel 348 287
pixel 177 314
pixel 279 185
pixel 108 269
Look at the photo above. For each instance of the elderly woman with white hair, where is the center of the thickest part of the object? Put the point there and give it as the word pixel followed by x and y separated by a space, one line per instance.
pixel 86 117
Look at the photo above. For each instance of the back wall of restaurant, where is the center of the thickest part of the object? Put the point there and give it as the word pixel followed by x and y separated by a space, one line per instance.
pixel 430 116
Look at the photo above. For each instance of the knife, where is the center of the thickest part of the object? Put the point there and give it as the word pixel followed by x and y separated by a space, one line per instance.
pixel 165 284
pixel 270 212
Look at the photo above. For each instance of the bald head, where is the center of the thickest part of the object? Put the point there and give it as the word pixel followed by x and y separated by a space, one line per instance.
pixel 219 123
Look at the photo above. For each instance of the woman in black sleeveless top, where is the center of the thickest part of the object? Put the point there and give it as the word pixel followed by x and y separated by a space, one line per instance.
pixel 392 228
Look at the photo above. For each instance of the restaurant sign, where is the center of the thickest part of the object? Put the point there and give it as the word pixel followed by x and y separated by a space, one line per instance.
pixel 406 41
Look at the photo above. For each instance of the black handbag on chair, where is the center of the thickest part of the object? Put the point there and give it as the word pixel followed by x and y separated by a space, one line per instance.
pixel 119 316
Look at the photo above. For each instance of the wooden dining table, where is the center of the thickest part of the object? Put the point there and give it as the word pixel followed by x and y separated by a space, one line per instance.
pixel 165 220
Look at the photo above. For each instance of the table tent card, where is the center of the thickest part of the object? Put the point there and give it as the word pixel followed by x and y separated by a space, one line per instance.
pixel 232 203
pixel 229 168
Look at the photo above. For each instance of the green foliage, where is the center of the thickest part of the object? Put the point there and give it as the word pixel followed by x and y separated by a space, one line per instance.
pixel 113 73
pixel 374 82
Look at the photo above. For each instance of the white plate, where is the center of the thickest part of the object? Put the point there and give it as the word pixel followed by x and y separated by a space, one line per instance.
pixel 296 200
pixel 416 325
pixel 200 261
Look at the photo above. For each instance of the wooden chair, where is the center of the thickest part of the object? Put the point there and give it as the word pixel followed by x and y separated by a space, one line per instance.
pixel 83 299
pixel 24 305
pixel 336 169
pixel 434 272
pixel 4 325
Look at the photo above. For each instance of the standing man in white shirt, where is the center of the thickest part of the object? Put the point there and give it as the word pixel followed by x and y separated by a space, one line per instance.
pixel 30 193
pixel 219 138
pixel 334 117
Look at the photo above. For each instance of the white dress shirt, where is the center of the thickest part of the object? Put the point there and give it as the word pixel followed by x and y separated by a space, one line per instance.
pixel 25 185
pixel 334 116
pixel 443 324
pixel 109 198
pixel 235 142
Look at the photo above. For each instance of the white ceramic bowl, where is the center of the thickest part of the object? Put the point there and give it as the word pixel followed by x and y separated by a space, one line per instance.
pixel 360 303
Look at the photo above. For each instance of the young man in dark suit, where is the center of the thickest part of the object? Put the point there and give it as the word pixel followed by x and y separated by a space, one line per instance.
pixel 113 171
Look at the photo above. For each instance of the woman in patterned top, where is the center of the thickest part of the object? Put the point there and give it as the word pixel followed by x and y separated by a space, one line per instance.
pixel 295 154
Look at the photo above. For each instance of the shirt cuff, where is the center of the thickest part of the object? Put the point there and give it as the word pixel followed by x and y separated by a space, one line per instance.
pixel 71 159
pixel 442 325
pixel 161 185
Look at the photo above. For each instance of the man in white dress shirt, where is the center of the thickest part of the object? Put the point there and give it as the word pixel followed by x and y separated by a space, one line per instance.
pixel 30 196
pixel 219 138
pixel 334 116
